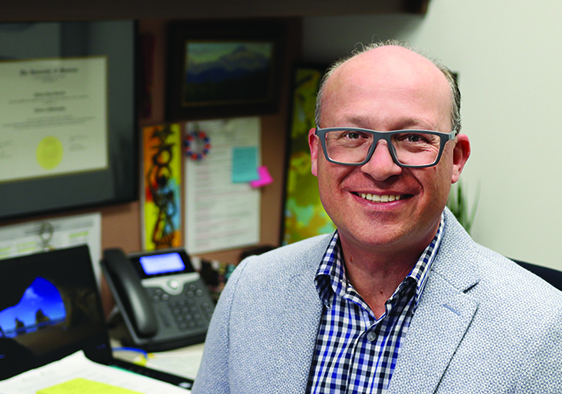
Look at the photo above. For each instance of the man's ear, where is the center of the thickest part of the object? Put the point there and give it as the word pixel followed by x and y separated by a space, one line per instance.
pixel 314 145
pixel 461 153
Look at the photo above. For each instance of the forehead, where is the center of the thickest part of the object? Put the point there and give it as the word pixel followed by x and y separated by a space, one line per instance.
pixel 398 64
pixel 389 78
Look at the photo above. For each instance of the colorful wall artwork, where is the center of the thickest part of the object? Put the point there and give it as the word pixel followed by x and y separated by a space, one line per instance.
pixel 304 214
pixel 162 155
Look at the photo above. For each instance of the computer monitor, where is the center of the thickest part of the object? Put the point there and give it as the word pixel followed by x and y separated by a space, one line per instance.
pixel 49 308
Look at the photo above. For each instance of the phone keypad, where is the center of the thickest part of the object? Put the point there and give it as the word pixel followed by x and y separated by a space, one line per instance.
pixel 159 295
pixel 191 310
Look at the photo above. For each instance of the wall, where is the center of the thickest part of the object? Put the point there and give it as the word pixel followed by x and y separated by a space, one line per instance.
pixel 274 128
pixel 121 224
pixel 508 56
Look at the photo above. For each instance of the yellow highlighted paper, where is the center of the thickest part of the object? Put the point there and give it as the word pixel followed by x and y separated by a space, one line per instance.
pixel 85 386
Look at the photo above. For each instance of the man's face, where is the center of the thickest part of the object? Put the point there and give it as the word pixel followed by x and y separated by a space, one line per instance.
pixel 387 89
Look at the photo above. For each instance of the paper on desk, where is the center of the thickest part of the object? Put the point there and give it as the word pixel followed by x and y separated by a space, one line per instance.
pixel 78 366
pixel 183 362
pixel 85 386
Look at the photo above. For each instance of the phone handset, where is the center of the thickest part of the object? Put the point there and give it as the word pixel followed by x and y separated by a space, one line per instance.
pixel 127 280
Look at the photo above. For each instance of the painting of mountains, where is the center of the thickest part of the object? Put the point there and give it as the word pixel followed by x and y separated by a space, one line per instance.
pixel 227 73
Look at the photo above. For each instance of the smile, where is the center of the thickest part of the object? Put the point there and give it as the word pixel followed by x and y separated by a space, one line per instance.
pixel 377 198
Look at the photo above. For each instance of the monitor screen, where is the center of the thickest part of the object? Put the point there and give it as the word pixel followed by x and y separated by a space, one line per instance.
pixel 49 308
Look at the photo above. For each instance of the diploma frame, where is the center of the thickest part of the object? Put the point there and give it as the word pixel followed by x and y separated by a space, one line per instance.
pixel 192 95
pixel 118 181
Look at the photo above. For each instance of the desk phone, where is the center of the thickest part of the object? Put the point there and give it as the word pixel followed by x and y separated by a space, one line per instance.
pixel 164 302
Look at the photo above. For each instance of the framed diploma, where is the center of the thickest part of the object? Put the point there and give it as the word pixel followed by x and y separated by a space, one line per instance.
pixel 68 124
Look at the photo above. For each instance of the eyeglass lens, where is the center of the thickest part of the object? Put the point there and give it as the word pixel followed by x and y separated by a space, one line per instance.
pixel 411 148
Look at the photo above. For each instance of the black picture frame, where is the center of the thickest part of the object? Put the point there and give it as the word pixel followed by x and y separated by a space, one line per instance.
pixel 116 40
pixel 199 87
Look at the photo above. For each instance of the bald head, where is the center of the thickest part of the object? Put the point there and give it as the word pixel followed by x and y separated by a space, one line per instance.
pixel 394 65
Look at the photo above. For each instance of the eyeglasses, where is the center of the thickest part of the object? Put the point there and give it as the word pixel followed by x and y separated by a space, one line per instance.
pixel 409 148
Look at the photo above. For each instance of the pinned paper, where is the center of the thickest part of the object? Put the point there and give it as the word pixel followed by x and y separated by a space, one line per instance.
pixel 219 213
pixel 264 178
pixel 244 164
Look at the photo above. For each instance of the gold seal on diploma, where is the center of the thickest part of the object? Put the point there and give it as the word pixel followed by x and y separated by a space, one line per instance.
pixel 49 152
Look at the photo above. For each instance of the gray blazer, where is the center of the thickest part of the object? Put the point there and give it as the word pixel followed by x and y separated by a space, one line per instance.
pixel 483 325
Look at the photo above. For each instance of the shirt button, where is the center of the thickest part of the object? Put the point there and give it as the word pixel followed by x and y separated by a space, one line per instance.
pixel 371 336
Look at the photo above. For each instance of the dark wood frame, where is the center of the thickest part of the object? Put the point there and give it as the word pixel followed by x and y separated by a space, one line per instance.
pixel 181 33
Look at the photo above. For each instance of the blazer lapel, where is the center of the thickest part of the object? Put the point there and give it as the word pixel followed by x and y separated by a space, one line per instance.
pixel 299 325
pixel 440 322
pixel 299 335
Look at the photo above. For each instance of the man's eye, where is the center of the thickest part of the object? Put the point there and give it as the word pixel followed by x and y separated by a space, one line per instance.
pixel 352 135
pixel 355 135
pixel 415 138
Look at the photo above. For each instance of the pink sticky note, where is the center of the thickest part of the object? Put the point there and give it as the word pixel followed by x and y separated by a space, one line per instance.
pixel 264 178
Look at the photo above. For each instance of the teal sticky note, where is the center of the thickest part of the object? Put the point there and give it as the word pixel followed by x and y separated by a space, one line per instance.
pixel 244 164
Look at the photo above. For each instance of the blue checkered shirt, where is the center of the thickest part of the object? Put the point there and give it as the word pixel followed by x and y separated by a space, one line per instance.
pixel 356 352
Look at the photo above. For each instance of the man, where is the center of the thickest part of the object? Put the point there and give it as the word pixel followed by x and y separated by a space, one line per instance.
pixel 399 299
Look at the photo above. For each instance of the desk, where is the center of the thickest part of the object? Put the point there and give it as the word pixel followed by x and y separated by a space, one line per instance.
pixel 75 373
pixel 77 367
pixel 183 361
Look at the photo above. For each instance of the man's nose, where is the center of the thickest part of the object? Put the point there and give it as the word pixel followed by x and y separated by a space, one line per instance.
pixel 381 166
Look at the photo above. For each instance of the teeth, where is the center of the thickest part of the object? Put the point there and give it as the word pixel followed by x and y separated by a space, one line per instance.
pixel 377 198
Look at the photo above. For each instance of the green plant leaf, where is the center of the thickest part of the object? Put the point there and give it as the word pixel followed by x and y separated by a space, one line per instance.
pixel 458 204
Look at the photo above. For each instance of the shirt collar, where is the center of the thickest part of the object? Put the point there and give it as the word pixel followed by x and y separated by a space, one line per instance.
pixel 330 277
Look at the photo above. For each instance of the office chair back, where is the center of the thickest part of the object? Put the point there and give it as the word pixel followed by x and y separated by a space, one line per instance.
pixel 552 276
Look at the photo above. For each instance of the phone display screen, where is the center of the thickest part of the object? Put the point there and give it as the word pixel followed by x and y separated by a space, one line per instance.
pixel 161 263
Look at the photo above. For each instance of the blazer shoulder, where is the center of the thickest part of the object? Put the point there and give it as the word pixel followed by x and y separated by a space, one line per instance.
pixel 301 257
pixel 490 277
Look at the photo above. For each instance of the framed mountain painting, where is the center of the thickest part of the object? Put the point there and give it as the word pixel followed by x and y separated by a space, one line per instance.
pixel 223 69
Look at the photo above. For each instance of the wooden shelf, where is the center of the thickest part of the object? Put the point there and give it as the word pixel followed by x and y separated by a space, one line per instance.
pixel 35 10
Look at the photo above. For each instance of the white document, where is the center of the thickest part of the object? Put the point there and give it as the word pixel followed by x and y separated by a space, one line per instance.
pixel 78 366
pixel 221 214
pixel 33 237
pixel 54 117
pixel 183 362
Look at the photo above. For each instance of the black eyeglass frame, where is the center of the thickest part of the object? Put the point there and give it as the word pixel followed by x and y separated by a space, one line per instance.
pixel 385 135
